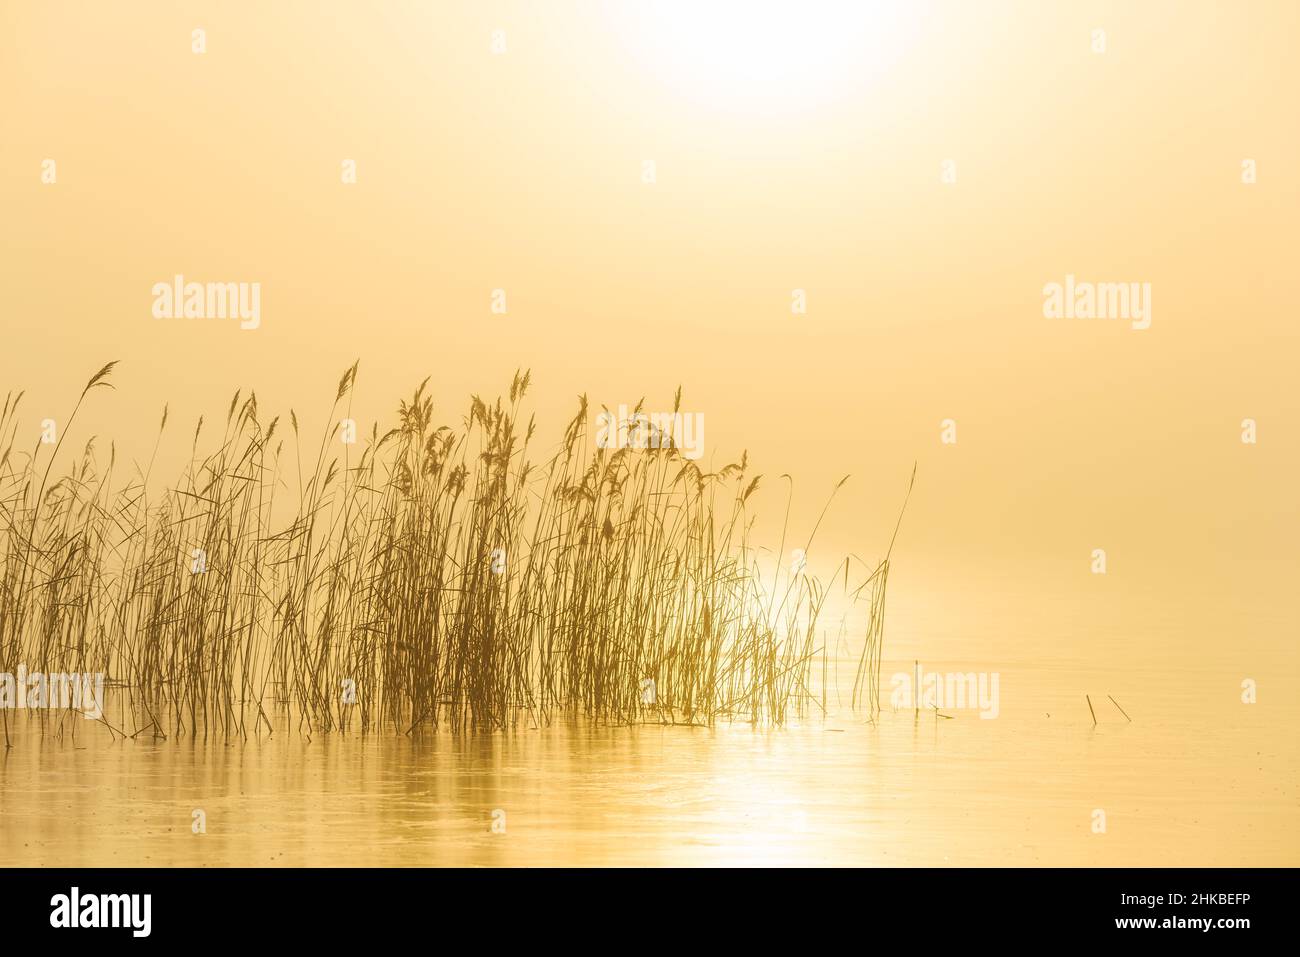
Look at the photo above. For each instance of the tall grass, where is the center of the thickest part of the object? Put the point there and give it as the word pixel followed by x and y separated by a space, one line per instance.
pixel 434 569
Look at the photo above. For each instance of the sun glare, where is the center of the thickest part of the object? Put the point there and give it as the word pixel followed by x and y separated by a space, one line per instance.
pixel 768 55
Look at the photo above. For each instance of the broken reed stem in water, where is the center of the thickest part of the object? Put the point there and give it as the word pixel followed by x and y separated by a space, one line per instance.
pixel 1121 710
pixel 1094 714
pixel 437 575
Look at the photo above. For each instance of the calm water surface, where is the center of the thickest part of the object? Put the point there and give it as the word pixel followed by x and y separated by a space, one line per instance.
pixel 1196 778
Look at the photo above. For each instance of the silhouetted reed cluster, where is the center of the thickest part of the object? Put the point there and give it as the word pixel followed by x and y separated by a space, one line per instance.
pixel 426 574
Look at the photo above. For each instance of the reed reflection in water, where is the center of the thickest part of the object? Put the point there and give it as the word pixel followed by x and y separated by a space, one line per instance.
pixel 1186 783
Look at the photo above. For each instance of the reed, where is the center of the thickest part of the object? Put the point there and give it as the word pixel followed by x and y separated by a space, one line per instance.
pixel 429 574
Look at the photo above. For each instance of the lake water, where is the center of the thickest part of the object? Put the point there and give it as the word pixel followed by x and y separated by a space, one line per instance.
pixel 1196 778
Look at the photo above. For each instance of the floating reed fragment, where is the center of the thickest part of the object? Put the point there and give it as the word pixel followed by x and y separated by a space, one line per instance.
pixel 437 575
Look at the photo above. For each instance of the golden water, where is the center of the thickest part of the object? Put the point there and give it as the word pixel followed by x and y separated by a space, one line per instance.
pixel 1182 784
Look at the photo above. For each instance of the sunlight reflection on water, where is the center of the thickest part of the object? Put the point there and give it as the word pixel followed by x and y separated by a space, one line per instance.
pixel 1185 783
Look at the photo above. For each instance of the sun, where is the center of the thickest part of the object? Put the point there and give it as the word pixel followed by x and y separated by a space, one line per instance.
pixel 768 55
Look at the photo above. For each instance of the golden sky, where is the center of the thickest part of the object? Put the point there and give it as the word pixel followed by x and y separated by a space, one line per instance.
pixel 795 146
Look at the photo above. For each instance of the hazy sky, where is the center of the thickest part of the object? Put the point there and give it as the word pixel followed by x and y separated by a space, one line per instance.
pixel 920 172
